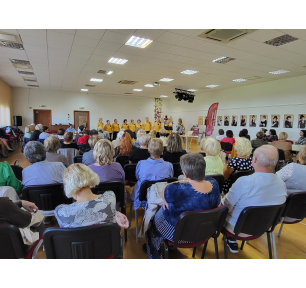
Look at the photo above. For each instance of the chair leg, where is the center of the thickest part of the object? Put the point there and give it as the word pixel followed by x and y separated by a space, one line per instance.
pixel 242 244
pixel 34 255
pixel 194 251
pixel 280 230
pixel 225 247
pixel 136 224
pixel 131 210
pixel 269 245
pixel 273 245
pixel 165 249
pixel 204 250
pixel 216 247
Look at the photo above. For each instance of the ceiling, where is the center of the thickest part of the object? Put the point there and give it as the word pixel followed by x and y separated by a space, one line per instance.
pixel 66 60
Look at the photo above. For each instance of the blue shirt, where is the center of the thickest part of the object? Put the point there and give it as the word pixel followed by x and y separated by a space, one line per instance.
pixel 43 135
pixel 150 170
pixel 88 159
pixel 70 130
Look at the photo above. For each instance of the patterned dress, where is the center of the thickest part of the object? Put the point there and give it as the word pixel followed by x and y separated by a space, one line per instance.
pixel 238 164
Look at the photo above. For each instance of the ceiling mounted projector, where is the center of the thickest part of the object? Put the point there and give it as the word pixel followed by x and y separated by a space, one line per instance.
pixel 185 95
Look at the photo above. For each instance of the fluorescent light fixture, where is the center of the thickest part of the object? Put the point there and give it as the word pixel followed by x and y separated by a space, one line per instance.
pixel 163 96
pixel 223 60
pixel 279 72
pixel 84 89
pixel 137 89
pixel 192 90
pixel 149 85
pixel 189 72
pixel 138 42
pixel 96 80
pixel 109 72
pixel 212 86
pixel 117 61
pixel 240 80
pixel 166 79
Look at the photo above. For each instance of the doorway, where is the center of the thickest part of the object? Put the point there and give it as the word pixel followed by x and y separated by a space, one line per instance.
pixel 81 118
pixel 42 117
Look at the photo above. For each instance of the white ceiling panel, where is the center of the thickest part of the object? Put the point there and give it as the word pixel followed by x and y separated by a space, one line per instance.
pixel 115 37
pixel 66 31
pixel 34 40
pixel 171 38
pixel 166 56
pixel 82 49
pixel 59 45
pixel 151 34
pixel 60 37
pixel 80 55
pixel 123 31
pixel 40 33
pixel 85 41
pixel 191 43
pixel 185 32
pixel 58 52
pixel 159 46
pixel 102 52
pixel 130 50
pixel 35 48
pixel 91 33
pixel 108 45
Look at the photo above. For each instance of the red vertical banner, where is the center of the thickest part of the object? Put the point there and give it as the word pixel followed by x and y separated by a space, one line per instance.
pixel 211 119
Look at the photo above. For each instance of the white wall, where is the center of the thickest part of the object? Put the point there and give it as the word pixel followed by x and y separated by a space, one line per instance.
pixel 286 96
pixel 63 103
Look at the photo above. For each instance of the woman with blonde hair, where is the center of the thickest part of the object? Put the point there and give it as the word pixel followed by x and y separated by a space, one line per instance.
pixel 174 149
pixel 52 144
pixel 88 158
pixel 125 145
pixel 163 136
pixel 282 144
pixel 242 162
pixel 89 209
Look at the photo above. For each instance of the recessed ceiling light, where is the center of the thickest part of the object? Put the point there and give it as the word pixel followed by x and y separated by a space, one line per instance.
pixel 163 96
pixel 137 89
pixel 240 80
pixel 279 72
pixel 189 72
pixel 84 89
pixel 223 60
pixel 117 61
pixel 281 40
pixel 96 80
pixel 192 90
pixel 149 85
pixel 212 86
pixel 138 42
pixel 166 79
pixel 109 72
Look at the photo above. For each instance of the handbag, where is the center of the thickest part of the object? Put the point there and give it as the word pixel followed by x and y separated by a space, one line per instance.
pixel 17 169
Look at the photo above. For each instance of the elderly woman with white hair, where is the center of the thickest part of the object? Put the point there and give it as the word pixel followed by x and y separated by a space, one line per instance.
pixel 89 209
pixel 142 152
pixel 88 158
pixel 212 148
pixel 282 144
pixel 36 132
pixel 52 144
pixel 139 133
pixel 117 141
pixel 42 172
pixel 242 162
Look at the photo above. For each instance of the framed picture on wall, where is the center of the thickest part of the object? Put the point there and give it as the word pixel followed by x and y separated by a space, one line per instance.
pixel 226 120
pixel 275 120
pixel 219 121
pixel 288 120
pixel 253 120
pixel 200 120
pixel 302 122
pixel 263 121
pixel 234 120
pixel 243 120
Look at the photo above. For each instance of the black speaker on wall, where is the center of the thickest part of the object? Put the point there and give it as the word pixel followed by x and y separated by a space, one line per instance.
pixel 17 120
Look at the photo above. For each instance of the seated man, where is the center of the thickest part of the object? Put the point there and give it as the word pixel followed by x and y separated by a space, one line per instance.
pixel 70 129
pixel 259 189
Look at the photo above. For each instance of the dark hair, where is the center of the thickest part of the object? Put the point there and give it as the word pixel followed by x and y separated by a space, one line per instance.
pixel 130 132
pixel 193 164
pixel 229 133
pixel 264 130
pixel 246 131
pixel 242 133
pixel 260 135
pixel 273 132
pixel 81 128
pixel 124 120
pixel 45 128
pixel 68 136
pixel 60 131
pixel 115 119
pixel 304 132
pixel 93 132
pixel 275 117
pixel 86 131
pixel 107 121
pixel 221 132
pixel 288 117
pixel 302 116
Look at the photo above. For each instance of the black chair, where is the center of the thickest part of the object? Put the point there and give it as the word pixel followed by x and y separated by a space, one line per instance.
pixel 202 153
pixel 177 171
pixel 87 150
pixel 17 170
pixel 225 146
pixel 295 208
pixel 78 159
pixel 220 179
pixel 255 221
pixel 24 142
pixel 197 227
pixel 123 160
pixel 118 188
pixel 12 246
pixel 130 172
pixel 281 160
pixel 82 147
pixel 92 242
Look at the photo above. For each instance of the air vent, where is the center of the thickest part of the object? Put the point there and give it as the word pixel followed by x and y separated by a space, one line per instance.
pixel 81 107
pixel 29 79
pixel 281 40
pixel 87 85
pixel 7 44
pixel 225 35
pixel 33 85
pixel 22 66
pixel 10 40
pixel 253 78
pixel 128 93
pixel 102 72
pixel 128 82
pixel 26 72
pixel 16 61
pixel 224 60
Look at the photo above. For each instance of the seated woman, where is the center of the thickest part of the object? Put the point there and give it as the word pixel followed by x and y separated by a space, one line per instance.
pixel 174 149
pixel 152 133
pixel 283 145
pixel 89 209
pixel 88 158
pixel 27 133
pixel 44 134
pixel 242 162
pixel 196 194
pixel 42 172
pixel 242 133
pixel 228 139
pixel 259 140
pixel 4 145
pixel 212 148
pixel 8 178
pixel 142 152
pixel 125 145
pixel 117 141
pixel 302 139
pixel 68 138
pixel 272 136
pixel 221 135
pixel 139 133
pixel 84 138
pixel 52 144
pixel 60 133
pixel 163 136
pixel 36 132
pixel 154 168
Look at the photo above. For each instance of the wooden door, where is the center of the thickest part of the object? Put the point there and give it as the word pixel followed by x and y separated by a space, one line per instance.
pixel 81 118
pixel 42 117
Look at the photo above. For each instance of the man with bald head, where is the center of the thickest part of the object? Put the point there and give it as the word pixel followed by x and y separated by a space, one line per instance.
pixel 262 188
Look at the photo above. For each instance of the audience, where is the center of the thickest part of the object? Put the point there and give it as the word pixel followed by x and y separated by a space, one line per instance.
pixel 142 152
pixel 125 145
pixel 52 144
pixel 242 162
pixel 42 171
pixel 83 139
pixel 8 178
pixel 272 136
pixel 68 138
pixel 87 158
pixel 259 189
pixel 244 133
pixel 131 134
pixel 139 133
pixel 163 136
pixel 60 133
pixel 117 141
pixel 283 145
pixel 221 135
pixel 259 140
pixel 302 139
pixel 196 194
pixel 212 148
pixel 228 139
pixel 89 209
pixel 174 149
pixel 36 132
pixel 154 168
pixel 44 133
pixel 152 133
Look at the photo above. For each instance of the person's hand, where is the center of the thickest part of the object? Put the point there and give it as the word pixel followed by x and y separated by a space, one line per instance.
pixel 29 206
pixel 165 205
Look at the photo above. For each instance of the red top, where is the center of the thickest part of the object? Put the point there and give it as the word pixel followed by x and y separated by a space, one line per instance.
pixel 83 139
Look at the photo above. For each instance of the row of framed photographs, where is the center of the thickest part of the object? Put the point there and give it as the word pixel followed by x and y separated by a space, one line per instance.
pixel 263 121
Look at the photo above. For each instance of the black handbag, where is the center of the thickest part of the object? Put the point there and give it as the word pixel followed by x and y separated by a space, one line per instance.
pixel 17 170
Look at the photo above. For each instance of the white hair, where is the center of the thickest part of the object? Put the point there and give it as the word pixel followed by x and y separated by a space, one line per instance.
pixel 140 132
pixel 39 127
pixel 143 140
pixel 210 146
pixel 266 156
pixel 243 146
pixel 120 134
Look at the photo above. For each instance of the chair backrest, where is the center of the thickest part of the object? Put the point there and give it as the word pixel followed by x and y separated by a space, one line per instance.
pixel 130 172
pixel 296 205
pixel 92 242
pixel 281 155
pixel 146 184
pixel 78 159
pixel 69 153
pixel 11 244
pixel 24 142
pixel 177 171
pixel 202 153
pixel 225 146
pixel 46 197
pixel 237 174
pixel 219 178
pixel 122 160
pixel 256 220
pixel 197 226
